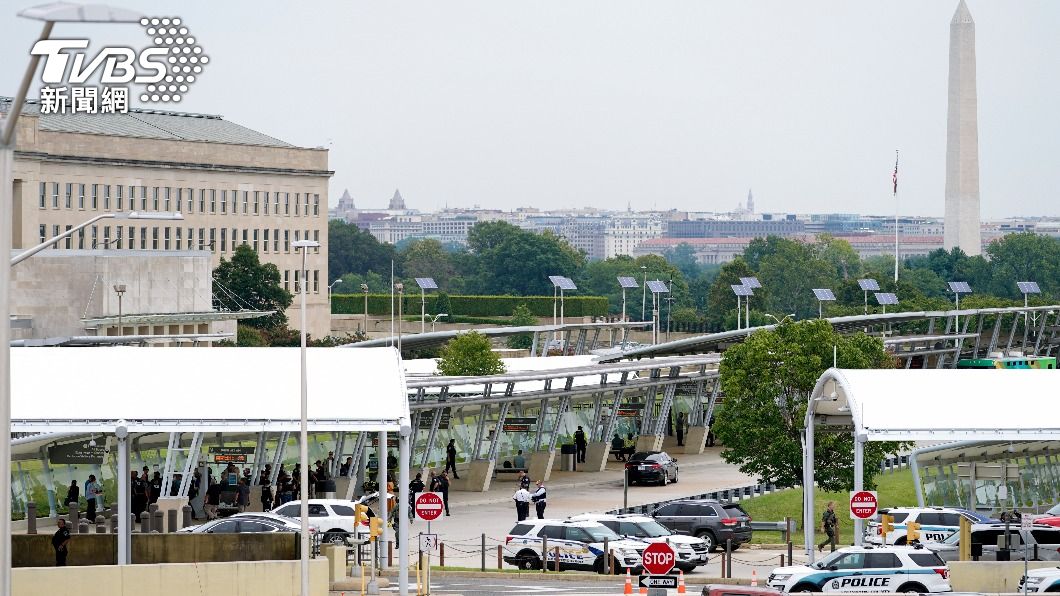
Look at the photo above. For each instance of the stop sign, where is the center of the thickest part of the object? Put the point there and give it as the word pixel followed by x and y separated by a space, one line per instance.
pixel 863 504
pixel 429 506
pixel 658 558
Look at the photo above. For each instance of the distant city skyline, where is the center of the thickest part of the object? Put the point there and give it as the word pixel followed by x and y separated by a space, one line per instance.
pixel 596 104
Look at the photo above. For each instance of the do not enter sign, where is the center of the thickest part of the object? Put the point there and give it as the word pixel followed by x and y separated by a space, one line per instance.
pixel 658 558
pixel 863 504
pixel 429 506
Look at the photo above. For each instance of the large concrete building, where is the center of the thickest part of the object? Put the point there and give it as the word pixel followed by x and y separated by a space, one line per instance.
pixel 962 139
pixel 232 185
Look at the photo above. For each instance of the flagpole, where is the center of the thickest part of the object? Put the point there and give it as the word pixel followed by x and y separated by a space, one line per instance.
pixel 895 180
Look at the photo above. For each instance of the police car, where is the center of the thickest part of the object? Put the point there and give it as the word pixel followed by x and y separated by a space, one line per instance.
pixel 691 551
pixel 1046 579
pixel 936 523
pixel 867 569
pixel 581 545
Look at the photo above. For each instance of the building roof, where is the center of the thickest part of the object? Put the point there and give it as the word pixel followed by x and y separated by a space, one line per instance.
pixel 150 124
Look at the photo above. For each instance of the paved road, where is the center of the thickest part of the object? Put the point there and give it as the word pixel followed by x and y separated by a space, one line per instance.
pixel 506 586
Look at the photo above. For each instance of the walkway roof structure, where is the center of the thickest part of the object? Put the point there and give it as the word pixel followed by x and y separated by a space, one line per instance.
pixel 165 389
pixel 437 338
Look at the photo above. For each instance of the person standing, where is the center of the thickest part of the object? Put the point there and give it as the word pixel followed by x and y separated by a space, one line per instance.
pixel 73 496
pixel 450 458
pixel 243 494
pixel 415 487
pixel 524 480
pixel 441 485
pixel 266 493
pixel 619 447
pixel 522 503
pixel 138 501
pixel 681 429
pixel 93 496
pixel 830 526
pixel 60 542
pixel 156 487
pixel 580 444
pixel 519 461
pixel 539 500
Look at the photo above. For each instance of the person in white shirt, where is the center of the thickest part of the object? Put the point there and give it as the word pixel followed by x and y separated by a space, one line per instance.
pixel 522 503
pixel 539 500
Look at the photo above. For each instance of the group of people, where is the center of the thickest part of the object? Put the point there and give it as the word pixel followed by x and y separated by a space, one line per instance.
pixel 436 483
pixel 523 497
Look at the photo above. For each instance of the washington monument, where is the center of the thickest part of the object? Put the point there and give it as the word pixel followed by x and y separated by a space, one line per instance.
pixel 962 139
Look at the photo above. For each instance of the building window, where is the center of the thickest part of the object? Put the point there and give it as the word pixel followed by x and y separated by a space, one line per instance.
pixel 213 201
pixel 235 202
pixel 277 204
pixel 224 201
pixel 191 238
pixel 132 238
pixel 297 278
pixel 287 280
pixel 235 238
pixel 95 197
pixel 287 241
pixel 257 200
pixel 69 195
pixel 106 197
pixel 180 238
pixel 316 204
pixel 297 235
pixel 80 196
pixel 118 230
pixel 316 238
pixel 305 210
pixel 286 203
pixel 154 198
pixel 119 201
pixel 255 240
pixel 43 229
pixel 266 204
pixel 213 237
pixel 95 237
pixel 191 201
pixel 246 200
pixel 68 238
pixel 81 239
pixel 297 200
pixel 244 236
pixel 43 195
pixel 166 238
pixel 167 198
pixel 106 236
pixel 143 198
pixel 224 239
pixel 143 238
pixel 55 195
pixel 202 238
pixel 154 238
pixel 276 240
pixel 202 201
pixel 265 238
pixel 316 281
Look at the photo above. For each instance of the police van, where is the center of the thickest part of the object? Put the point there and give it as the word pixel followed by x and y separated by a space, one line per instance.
pixel 1041 580
pixel 689 550
pixel 859 569
pixel 935 524
pixel 580 544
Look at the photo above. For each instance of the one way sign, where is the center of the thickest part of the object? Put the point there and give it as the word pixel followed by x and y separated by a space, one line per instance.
pixel 658 581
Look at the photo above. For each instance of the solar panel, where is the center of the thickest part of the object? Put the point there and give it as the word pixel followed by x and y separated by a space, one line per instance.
pixel 426 283
pixel 1029 287
pixel 960 287
pixel 886 298
pixel 563 283
pixel 627 282
pixel 869 285
pixel 742 290
pixel 823 294
pixel 751 282
pixel 658 287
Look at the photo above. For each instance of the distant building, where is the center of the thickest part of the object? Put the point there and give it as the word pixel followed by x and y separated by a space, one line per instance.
pixel 727 228
pixel 397 203
pixel 345 210
pixel 962 138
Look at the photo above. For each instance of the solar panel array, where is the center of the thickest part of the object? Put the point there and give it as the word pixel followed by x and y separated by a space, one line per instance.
pixel 563 283
pixel 627 282
pixel 751 282
pixel 658 287
pixel 1029 287
pixel 886 298
pixel 742 290
pixel 869 285
pixel 426 283
pixel 960 287
pixel 823 294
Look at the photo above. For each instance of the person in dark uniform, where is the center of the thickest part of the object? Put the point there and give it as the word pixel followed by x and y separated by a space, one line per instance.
pixel 580 444
pixel 681 429
pixel 440 484
pixel 73 496
pixel 138 487
pixel 415 487
pixel 830 526
pixel 450 458
pixel 266 493
pixel 60 542
pixel 156 487
pixel 524 480
pixel 539 500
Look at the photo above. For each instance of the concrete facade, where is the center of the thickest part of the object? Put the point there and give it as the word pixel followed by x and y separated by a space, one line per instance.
pixel 962 139
pixel 233 186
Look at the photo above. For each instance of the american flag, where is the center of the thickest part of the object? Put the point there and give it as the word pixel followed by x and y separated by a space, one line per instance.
pixel 894 177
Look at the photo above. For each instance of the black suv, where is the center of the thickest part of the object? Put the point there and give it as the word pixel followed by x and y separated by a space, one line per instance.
pixel 708 519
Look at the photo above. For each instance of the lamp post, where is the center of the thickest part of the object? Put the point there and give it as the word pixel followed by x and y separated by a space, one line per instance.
pixel 330 287
pixel 781 321
pixel 644 294
pixel 400 287
pixel 120 290
pixel 49 14
pixel 434 319
pixel 303 429
pixel 364 289
pixel 139 215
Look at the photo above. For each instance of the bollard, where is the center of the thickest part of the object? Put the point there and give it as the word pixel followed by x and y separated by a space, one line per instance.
pixel 152 508
pixel 185 520
pixel 157 524
pixel 82 526
pixel 728 557
pixel 782 560
pixel 614 567
pixel 441 554
pixel 723 565
pixel 544 554
pixel 791 547
pixel 557 559
pixel 787 529
pixel 483 568
pixel 500 558
pixel 171 516
pixel 31 518
pixel 75 513
pixel 145 522
pixel 101 524
pixel 607 560
pixel 114 524
pixel 389 553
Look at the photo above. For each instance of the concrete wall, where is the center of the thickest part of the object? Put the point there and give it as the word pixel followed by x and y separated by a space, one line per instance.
pixel 990 576
pixel 260 578
pixel 101 549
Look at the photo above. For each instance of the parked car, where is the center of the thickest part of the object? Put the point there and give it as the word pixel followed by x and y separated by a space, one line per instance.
pixel 713 521
pixel 580 543
pixel 1040 580
pixel 691 551
pixel 651 466
pixel 333 517
pixel 867 569
pixel 936 523
pixel 732 590
pixel 244 523
pixel 1046 538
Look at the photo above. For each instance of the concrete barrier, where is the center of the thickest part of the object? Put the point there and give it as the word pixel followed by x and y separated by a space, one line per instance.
pixel 243 578
pixel 990 576
pixel 102 549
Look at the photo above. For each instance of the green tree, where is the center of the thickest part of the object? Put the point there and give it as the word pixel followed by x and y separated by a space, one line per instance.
pixel 840 255
pixel 767 382
pixel 353 250
pixel 683 256
pixel 721 302
pixel 1024 257
pixel 790 274
pixel 426 257
pixel 246 283
pixel 444 306
pixel 469 354
pixel 515 261
pixel 522 317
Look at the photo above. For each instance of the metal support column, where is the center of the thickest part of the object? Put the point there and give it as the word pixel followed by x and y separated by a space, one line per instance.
pixel 859 484
pixel 1012 332
pixel 124 506
pixel 594 428
pixel 540 424
pixel 978 334
pixel 496 442
pixel 435 421
pixel 612 419
pixel 404 453
pixel 167 470
pixel 259 457
pixel 356 467
pixel 382 504
pixel 994 336
pixel 480 431
pixel 277 460
pixel 579 344
pixel 594 342
pixel 564 405
pixel 533 345
pixel 49 481
pixel 667 402
pixel 189 467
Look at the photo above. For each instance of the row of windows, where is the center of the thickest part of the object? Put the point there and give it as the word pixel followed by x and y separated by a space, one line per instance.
pixel 176 238
pixel 296 274
pixel 183 200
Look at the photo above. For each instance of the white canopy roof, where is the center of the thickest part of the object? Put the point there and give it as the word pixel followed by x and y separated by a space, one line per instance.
pixel 167 389
pixel 946 404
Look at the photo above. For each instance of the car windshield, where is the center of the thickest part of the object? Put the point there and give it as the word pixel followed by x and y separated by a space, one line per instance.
pixel 1055 510
pixel 639 456
pixel 654 529
pixel 599 533
pixel 827 561
pixel 952 538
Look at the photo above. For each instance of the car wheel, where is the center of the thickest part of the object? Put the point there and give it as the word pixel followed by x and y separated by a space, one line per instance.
pixel 334 536
pixel 530 560
pixel 675 477
pixel 712 544
pixel 686 568
pixel 912 588
pixel 598 565
pixel 735 547
pixel 805 588
pixel 900 542
pixel 665 478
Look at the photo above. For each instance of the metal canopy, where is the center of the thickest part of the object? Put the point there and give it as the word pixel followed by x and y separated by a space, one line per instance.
pixel 1029 287
pixel 823 294
pixel 886 298
pixel 658 287
pixel 741 290
pixel 869 285
pixel 751 282
pixel 959 287
pixel 426 283
pixel 432 338
pixel 563 283
pixel 627 282
pixel 182 390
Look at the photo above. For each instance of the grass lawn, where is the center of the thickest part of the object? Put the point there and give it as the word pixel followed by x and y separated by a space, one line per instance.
pixel 895 490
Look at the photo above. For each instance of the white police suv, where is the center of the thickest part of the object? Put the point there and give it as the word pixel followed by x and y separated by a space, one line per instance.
pixel 867 569
pixel 1037 581
pixel 936 523
pixel 691 551
pixel 581 545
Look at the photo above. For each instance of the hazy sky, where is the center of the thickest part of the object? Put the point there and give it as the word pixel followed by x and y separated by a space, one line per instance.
pixel 677 104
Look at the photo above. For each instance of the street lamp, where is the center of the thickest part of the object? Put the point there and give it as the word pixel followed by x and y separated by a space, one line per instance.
pixel 332 285
pixel 364 289
pixel 50 14
pixel 781 321
pixel 303 429
pixel 400 287
pixel 142 215
pixel 625 283
pixel 434 318
pixel 120 290
pixel 425 283
pixel 644 293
